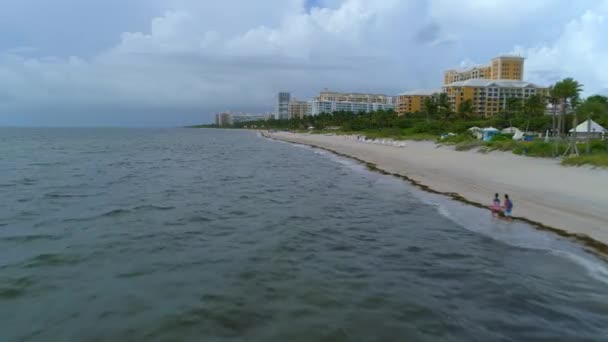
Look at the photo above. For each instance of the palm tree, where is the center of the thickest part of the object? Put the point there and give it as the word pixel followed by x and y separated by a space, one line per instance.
pixel 466 109
pixel 568 91
pixel 512 105
pixel 430 107
pixel 534 106
pixel 443 105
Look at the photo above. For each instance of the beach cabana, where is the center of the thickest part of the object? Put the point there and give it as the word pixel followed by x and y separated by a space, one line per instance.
pixel 489 133
pixel 589 127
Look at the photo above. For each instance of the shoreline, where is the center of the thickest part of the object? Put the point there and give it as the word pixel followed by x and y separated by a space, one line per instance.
pixel 594 237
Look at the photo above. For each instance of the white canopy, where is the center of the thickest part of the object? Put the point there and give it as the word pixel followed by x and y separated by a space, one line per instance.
pixel 490 129
pixel 595 127
pixel 511 130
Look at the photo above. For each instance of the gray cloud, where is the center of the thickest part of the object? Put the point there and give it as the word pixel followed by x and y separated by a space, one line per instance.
pixel 428 33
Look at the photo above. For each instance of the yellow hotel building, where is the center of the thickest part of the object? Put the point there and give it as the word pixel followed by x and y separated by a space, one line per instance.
pixel 412 101
pixel 500 68
pixel 489 87
pixel 489 97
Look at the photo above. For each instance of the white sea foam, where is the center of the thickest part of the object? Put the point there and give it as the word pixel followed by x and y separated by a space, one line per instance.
pixel 517 234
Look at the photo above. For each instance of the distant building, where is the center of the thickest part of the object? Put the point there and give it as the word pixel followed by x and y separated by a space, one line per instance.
pixel 489 97
pixel 282 105
pixel 318 107
pixel 327 95
pixel 328 102
pixel 412 101
pixel 242 117
pixel 223 119
pixel 299 109
pixel 500 68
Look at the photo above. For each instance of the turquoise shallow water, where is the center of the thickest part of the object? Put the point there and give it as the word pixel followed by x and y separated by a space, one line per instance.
pixel 208 235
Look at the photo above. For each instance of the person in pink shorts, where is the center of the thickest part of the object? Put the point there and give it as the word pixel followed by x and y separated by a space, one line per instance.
pixel 496 210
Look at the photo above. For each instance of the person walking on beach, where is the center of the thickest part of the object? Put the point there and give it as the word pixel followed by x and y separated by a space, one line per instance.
pixel 508 207
pixel 495 206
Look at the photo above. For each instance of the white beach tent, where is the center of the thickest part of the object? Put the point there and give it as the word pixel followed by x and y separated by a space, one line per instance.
pixel 595 128
pixel 476 132
pixel 517 134
pixel 511 130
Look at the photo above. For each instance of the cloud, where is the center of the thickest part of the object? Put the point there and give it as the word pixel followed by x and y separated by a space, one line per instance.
pixel 580 52
pixel 203 56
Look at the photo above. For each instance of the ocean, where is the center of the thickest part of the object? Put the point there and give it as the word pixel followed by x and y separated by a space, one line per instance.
pixel 223 235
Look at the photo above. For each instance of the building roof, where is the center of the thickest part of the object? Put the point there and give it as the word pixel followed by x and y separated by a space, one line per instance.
pixel 468 68
pixel 327 91
pixel 483 82
pixel 508 56
pixel 427 92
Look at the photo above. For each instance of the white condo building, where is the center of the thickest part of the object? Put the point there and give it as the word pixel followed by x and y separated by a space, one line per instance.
pixel 318 106
pixel 329 101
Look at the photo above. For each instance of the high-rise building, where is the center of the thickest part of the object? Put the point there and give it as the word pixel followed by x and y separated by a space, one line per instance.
pixel 412 101
pixel 500 68
pixel 489 97
pixel 282 105
pixel 223 119
pixel 299 109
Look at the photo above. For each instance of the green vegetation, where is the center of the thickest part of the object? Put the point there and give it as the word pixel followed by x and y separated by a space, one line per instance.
pixel 597 160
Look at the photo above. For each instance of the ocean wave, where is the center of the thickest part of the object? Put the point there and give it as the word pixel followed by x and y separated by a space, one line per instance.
pixel 48 164
pixel 120 212
pixel 53 259
pixel 154 207
pixel 60 195
pixel 15 288
pixel 190 219
pixel 28 238
pixel 134 274
pixel 27 181
pixel 594 268
pixel 113 213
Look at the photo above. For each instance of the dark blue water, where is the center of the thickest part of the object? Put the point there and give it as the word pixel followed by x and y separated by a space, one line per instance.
pixel 208 235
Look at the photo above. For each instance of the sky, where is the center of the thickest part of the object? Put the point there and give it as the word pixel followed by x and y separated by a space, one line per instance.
pixel 177 62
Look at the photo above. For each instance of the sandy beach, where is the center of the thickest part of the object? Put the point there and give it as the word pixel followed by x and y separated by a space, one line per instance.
pixel 574 200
